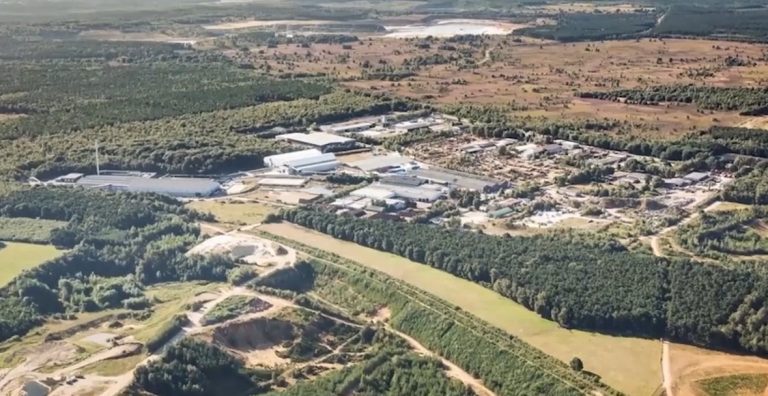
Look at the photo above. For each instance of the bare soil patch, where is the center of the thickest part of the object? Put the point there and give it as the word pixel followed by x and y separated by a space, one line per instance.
pixel 116 35
pixel 233 25
pixel 690 364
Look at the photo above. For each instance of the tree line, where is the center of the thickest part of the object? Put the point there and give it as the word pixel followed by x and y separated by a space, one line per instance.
pixel 587 283
pixel 747 100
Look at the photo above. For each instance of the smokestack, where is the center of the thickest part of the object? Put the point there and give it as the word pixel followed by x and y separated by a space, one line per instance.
pixel 98 171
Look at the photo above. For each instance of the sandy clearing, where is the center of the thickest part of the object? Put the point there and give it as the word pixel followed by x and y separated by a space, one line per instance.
pixel 265 23
pixel 247 248
pixel 754 122
pixel 9 117
pixel 453 27
pixel 689 364
pixel 116 35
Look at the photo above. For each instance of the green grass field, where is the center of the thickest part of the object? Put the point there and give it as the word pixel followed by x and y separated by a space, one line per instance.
pixel 15 257
pixel 601 354
pixel 22 229
pixel 742 384
pixel 234 212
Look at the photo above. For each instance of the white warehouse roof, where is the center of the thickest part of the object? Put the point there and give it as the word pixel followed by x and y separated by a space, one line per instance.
pixel 278 160
pixel 374 193
pixel 317 139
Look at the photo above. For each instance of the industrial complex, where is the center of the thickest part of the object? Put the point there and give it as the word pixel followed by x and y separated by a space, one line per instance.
pixel 182 187
pixel 493 184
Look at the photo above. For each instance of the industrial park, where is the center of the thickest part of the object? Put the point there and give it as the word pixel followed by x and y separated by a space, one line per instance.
pixel 499 186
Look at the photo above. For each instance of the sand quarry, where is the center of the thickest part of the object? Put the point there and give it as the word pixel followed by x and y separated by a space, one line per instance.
pixel 248 249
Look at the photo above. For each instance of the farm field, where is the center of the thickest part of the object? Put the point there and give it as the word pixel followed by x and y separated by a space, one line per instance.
pixel 233 212
pixel 602 354
pixel 15 257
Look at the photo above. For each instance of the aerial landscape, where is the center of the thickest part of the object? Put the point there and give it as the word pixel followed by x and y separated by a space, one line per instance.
pixel 384 197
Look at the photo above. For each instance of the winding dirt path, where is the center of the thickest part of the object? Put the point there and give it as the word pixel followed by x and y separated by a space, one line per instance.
pixel 453 371
pixel 666 369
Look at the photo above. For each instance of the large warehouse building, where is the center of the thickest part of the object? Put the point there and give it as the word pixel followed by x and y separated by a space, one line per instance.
pixel 181 187
pixel 322 141
pixel 305 162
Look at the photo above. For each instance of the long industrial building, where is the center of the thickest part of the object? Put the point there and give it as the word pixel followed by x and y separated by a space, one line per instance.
pixel 305 162
pixel 181 187
pixel 324 142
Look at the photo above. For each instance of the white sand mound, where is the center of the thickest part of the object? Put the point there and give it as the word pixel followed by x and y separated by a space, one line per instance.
pixel 245 248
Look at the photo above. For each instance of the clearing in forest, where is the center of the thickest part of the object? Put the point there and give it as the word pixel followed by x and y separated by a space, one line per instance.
pixel 232 211
pixel 602 354
pixel 17 257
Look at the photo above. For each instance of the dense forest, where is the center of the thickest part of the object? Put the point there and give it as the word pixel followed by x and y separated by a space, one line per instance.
pixel 593 26
pixel 749 101
pixel 152 106
pixel 751 187
pixel 193 368
pixel 593 284
pixel 723 19
pixel 118 244
pixel 212 142
pixel 721 234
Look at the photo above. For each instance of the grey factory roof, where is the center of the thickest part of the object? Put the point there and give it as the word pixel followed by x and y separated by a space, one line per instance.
pixel 416 193
pixel 399 180
pixel 171 185
pixel 459 179
pixel 379 162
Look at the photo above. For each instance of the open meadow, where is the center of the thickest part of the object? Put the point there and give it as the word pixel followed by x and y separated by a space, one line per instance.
pixel 233 211
pixel 16 257
pixel 602 354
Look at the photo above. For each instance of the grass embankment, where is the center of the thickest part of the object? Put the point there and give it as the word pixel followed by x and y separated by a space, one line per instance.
pixel 16 257
pixel 602 354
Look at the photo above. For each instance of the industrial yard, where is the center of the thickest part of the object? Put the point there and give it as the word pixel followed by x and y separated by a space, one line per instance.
pixel 442 174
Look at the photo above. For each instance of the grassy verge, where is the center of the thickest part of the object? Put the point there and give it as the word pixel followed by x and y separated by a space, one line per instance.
pixel 114 367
